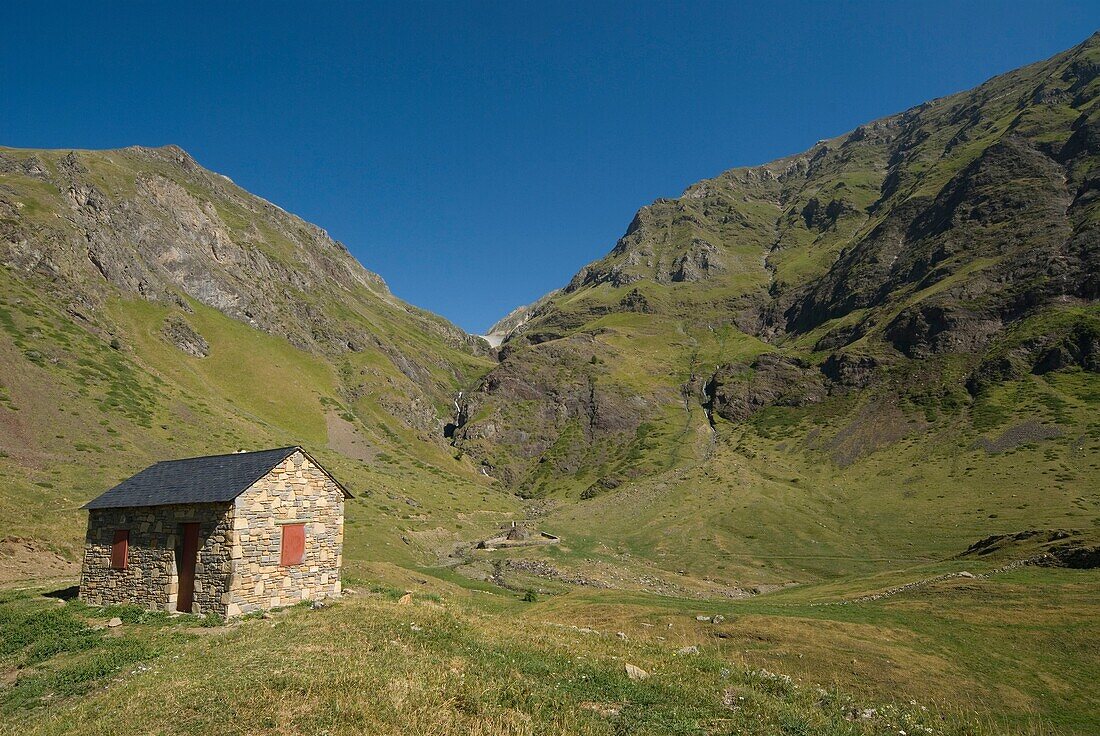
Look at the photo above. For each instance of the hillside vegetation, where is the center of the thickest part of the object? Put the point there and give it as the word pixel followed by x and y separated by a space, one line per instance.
pixel 459 661
pixel 151 309
pixel 875 352
pixel 831 421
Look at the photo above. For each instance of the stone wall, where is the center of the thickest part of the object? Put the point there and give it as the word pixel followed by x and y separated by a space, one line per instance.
pixel 150 578
pixel 294 492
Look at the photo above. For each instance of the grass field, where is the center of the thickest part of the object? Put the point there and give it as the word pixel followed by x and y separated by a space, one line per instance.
pixel 477 659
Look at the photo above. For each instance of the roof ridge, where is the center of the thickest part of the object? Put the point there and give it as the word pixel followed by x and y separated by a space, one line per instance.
pixel 227 454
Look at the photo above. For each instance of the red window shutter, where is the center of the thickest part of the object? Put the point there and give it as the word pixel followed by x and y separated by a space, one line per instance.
pixel 120 549
pixel 294 544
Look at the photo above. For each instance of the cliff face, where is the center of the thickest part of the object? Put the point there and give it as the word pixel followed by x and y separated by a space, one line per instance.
pixel 964 231
pixel 155 224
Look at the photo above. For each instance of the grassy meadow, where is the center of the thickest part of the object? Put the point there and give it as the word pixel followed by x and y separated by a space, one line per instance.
pixel 477 659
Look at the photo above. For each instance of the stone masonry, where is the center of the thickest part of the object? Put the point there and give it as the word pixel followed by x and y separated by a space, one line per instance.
pixel 150 579
pixel 238 567
pixel 295 492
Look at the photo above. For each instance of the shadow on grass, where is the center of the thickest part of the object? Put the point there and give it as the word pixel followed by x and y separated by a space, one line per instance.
pixel 63 594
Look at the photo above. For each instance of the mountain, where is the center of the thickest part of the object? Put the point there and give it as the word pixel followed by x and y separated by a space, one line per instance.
pixel 515 320
pixel 833 416
pixel 800 343
pixel 151 308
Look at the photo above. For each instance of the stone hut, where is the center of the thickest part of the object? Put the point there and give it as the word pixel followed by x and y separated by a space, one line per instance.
pixel 225 534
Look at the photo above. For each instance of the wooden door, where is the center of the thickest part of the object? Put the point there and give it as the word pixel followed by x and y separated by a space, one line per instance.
pixel 185 563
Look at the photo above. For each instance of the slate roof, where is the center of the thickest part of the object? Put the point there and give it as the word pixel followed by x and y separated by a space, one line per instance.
pixel 211 479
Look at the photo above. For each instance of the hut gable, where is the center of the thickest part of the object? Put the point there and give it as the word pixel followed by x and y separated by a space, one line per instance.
pixel 296 503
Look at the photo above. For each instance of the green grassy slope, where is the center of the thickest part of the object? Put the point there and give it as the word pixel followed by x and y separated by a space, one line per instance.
pixel 879 350
pixel 94 385
pixel 772 505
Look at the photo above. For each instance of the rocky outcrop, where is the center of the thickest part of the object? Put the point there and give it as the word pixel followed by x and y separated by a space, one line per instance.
pixel 514 322
pixel 819 216
pixel 548 408
pixel 737 391
pixel 927 329
pixel 701 260
pixel 1055 547
pixel 845 370
pixel 1078 347
pixel 635 301
pixel 1058 346
pixel 178 332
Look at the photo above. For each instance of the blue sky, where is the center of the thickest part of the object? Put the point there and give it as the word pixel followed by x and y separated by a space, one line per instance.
pixel 477 155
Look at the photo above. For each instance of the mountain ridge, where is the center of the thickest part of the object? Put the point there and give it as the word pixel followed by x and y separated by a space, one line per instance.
pixel 925 233
pixel 330 258
pixel 788 165
pixel 864 287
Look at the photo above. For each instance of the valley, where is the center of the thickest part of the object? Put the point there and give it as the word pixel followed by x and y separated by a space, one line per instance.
pixel 796 398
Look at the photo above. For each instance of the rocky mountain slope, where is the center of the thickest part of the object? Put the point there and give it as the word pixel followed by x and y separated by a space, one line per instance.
pixel 941 250
pixel 869 354
pixel 150 308
pixel 153 223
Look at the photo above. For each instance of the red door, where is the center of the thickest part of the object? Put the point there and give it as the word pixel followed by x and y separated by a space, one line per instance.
pixel 186 563
pixel 294 544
